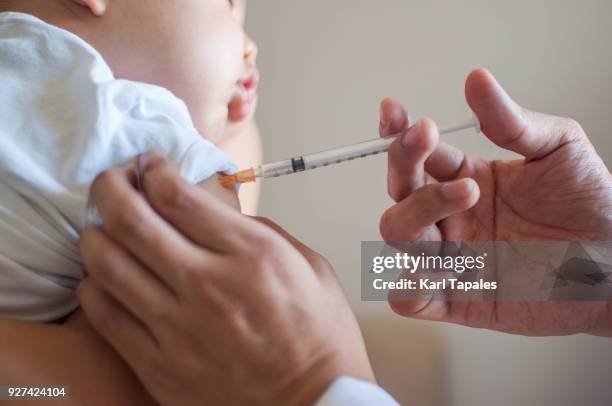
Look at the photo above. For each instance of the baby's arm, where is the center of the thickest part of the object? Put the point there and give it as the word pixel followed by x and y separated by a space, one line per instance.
pixel 228 196
pixel 70 354
pixel 245 149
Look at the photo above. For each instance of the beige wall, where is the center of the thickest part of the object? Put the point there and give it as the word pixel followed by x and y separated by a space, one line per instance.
pixel 327 63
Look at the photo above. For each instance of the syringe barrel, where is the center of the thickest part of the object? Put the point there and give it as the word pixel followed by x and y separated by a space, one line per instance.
pixel 325 158
pixel 276 169
pixel 350 152
pixel 347 153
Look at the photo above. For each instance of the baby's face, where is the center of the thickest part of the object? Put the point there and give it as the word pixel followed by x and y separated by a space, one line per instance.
pixel 200 52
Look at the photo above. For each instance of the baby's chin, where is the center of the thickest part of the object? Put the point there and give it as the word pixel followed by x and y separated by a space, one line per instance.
pixel 239 117
pixel 242 107
pixel 227 120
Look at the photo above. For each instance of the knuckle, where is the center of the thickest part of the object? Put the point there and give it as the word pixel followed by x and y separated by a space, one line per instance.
pixel 106 268
pixel 175 194
pixel 268 245
pixel 429 137
pixel 321 265
pixel 94 251
pixel 197 280
pixel 87 240
pixel 235 241
pixel 127 216
pixel 572 127
pixel 264 253
pixel 258 238
pixel 397 226
pixel 106 179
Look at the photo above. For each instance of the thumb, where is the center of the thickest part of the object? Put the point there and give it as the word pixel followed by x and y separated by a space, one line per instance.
pixel 508 125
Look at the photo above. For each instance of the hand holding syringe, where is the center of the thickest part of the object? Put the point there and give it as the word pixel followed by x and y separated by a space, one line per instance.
pixel 329 157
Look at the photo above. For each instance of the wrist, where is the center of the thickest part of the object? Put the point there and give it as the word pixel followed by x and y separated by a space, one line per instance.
pixel 311 385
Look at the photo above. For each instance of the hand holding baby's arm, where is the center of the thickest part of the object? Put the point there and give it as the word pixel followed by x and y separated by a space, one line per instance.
pixel 184 287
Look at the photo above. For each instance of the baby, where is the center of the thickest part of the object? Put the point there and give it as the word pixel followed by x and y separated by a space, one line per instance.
pixel 86 85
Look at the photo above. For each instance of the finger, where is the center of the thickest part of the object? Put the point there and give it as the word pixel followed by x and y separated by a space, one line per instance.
pixel 319 264
pixel 127 335
pixel 129 220
pixel 508 125
pixel 196 213
pixel 471 313
pixel 446 162
pixel 393 117
pixel 123 277
pixel 418 302
pixel 407 156
pixel 407 220
pixel 433 309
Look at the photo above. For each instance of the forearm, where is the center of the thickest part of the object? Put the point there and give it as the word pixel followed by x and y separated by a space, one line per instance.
pixel 70 354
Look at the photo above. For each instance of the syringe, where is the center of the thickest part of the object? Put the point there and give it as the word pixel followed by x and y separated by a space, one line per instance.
pixel 329 157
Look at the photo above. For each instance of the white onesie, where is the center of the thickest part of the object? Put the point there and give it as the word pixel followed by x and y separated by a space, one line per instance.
pixel 64 118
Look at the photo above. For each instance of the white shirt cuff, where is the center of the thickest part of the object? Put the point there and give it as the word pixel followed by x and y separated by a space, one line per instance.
pixel 354 392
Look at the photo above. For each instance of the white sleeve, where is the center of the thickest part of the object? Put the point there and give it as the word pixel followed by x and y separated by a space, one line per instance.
pixel 64 119
pixel 346 391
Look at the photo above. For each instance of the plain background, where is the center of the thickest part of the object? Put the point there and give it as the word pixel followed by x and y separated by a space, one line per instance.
pixel 326 65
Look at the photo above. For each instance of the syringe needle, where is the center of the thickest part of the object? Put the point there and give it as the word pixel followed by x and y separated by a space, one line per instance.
pixel 246 176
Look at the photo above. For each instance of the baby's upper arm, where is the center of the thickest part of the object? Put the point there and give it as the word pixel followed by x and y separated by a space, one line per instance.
pixel 228 196
pixel 71 354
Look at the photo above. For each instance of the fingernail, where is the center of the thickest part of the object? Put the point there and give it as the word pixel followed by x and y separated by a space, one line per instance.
pixel 148 160
pixel 411 138
pixel 460 189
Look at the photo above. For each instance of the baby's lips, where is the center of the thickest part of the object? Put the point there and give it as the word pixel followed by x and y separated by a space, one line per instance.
pixel 242 103
pixel 251 81
pixel 240 106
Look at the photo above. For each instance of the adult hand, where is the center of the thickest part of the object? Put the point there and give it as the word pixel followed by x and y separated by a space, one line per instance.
pixel 208 306
pixel 561 190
